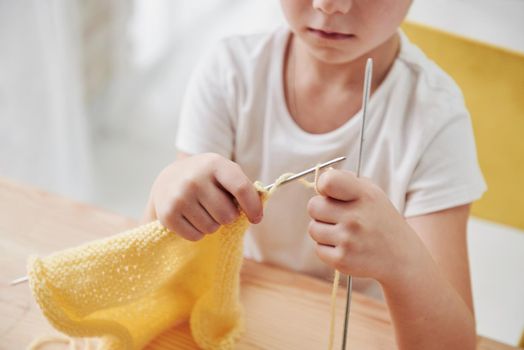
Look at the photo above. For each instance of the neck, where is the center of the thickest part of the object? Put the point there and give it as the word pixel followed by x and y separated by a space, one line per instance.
pixel 347 75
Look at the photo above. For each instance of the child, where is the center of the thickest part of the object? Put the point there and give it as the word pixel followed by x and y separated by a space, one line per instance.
pixel 263 105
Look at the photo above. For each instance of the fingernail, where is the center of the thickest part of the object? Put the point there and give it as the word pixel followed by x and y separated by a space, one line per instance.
pixel 258 219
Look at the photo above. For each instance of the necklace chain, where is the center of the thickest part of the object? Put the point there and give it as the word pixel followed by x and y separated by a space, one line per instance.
pixel 293 80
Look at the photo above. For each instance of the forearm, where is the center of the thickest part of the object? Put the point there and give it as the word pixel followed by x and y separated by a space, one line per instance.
pixel 427 312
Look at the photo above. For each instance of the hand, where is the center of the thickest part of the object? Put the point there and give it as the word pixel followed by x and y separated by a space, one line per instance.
pixel 196 195
pixel 358 230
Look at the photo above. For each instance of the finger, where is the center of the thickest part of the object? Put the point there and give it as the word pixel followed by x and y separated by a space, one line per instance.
pixel 182 227
pixel 329 255
pixel 219 205
pixel 234 181
pixel 323 233
pixel 189 231
pixel 339 184
pixel 200 218
pixel 325 209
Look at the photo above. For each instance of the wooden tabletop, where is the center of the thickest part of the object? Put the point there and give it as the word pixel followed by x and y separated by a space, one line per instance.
pixel 284 310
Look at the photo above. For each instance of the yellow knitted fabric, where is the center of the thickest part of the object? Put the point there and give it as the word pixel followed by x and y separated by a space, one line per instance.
pixel 129 288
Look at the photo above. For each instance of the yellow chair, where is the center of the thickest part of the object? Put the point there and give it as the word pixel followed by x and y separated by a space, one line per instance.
pixel 492 80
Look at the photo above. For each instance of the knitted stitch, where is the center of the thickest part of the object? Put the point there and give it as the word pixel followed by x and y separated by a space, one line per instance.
pixel 130 287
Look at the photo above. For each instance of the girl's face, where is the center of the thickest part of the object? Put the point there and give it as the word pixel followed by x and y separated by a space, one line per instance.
pixel 339 31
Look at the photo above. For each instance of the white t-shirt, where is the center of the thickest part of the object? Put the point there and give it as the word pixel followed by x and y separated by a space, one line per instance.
pixel 419 146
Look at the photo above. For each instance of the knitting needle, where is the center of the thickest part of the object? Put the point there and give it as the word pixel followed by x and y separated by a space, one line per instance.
pixel 365 100
pixel 19 280
pixel 307 171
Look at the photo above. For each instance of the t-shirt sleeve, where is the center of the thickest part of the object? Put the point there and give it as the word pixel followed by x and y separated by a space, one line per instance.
pixel 206 120
pixel 447 173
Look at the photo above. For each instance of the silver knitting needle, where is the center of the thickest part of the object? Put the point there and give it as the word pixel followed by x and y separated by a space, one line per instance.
pixel 365 99
pixel 19 280
pixel 307 171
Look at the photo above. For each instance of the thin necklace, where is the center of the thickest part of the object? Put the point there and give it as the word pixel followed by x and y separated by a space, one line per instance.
pixel 293 80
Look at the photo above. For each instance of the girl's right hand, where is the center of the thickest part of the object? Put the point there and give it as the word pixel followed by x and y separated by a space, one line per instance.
pixel 197 194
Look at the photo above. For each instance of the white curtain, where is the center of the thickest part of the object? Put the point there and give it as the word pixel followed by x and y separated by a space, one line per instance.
pixel 90 89
pixel 43 130
pixel 166 39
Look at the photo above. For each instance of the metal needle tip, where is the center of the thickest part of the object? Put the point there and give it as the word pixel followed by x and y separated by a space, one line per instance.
pixel 307 171
pixel 19 280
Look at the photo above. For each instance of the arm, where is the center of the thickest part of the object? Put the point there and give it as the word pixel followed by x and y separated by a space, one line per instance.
pixel 203 189
pixel 421 263
pixel 438 312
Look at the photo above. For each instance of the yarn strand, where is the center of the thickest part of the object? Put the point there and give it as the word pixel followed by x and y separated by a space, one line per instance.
pixel 336 278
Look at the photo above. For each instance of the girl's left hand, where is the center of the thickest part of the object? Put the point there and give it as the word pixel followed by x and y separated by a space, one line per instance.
pixel 358 230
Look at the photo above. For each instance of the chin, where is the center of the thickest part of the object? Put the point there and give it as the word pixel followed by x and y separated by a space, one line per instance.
pixel 332 56
pixel 332 52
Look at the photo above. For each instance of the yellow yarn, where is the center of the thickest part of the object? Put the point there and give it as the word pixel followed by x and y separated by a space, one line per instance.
pixel 336 279
pixel 129 288
pixel 334 291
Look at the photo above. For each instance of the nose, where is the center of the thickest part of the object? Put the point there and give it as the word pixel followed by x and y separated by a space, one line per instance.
pixel 330 7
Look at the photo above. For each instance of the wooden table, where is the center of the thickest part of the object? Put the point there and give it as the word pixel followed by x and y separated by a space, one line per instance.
pixel 284 310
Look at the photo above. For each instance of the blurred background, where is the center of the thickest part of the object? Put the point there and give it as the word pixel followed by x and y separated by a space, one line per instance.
pixel 90 92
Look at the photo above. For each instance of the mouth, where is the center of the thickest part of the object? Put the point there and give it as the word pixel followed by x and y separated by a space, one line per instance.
pixel 329 34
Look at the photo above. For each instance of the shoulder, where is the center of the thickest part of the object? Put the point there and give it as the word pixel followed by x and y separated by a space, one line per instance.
pixel 254 45
pixel 242 53
pixel 434 99
pixel 426 71
pixel 431 83
pixel 234 66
